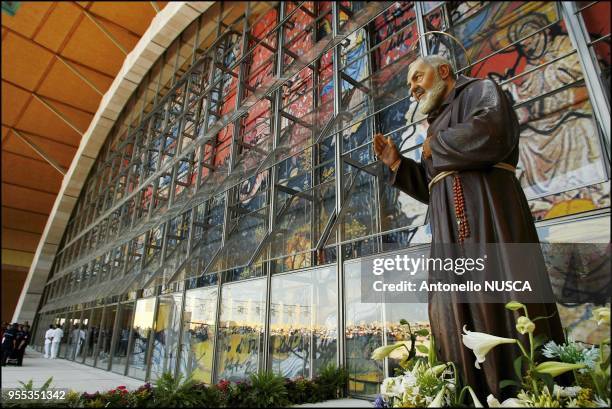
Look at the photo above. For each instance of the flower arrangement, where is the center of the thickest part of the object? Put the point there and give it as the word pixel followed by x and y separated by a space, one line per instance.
pixel 428 382
pixel 423 381
pixel 590 366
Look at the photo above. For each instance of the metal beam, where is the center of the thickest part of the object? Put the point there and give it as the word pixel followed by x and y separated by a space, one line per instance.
pixel 78 74
pixel 354 82
pixel 337 57
pixel 40 152
pixel 576 31
pixel 367 14
pixel 294 192
pixel 155 6
pixel 58 114
pixel 106 32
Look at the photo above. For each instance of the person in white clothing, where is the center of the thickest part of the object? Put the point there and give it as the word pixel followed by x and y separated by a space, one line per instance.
pixel 58 334
pixel 48 340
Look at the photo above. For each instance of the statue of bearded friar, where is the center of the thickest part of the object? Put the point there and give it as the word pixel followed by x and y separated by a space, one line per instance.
pixel 467 177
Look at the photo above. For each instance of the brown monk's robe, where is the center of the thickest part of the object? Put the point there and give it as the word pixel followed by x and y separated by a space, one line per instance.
pixel 475 128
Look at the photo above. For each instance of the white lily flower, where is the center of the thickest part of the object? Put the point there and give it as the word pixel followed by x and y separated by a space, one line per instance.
pixel 382 352
pixel 602 315
pixel 481 343
pixel 492 402
pixel 391 387
pixel 567 391
pixel 408 381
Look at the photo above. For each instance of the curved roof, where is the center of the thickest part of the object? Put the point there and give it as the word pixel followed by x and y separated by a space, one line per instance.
pixel 63 131
pixel 58 60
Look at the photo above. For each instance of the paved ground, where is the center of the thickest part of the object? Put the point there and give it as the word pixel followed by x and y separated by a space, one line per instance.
pixel 339 403
pixel 83 378
pixel 66 374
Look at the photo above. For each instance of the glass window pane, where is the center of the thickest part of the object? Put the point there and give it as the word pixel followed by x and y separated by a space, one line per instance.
pixel 124 323
pixel 240 340
pixel 74 336
pixel 303 322
pixel 560 147
pixel 198 333
pixel 363 333
pixel 106 334
pixel 82 337
pixel 93 332
pixel 64 323
pixel 166 335
pixel 141 331
pixel 597 24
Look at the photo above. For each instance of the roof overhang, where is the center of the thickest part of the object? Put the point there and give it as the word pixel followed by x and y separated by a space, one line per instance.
pixel 167 25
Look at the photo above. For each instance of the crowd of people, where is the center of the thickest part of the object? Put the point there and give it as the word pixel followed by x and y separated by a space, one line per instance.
pixel 15 338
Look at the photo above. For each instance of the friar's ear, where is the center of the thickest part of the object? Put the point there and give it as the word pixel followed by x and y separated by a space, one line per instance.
pixel 444 71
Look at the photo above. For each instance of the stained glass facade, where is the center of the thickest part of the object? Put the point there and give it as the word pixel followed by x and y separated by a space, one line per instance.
pixel 220 230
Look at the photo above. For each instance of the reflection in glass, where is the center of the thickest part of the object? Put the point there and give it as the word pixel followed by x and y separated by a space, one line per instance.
pixel 571 202
pixel 106 334
pixel 560 147
pixel 364 333
pixel 71 336
pixel 93 332
pixel 60 322
pixel 303 322
pixel 124 323
pixel 142 326
pixel 240 329
pixel 198 333
pixel 166 335
pixel 79 334
pixel 417 317
pixel 597 24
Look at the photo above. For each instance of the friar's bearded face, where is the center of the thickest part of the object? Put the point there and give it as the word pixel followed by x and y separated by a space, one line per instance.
pixel 426 86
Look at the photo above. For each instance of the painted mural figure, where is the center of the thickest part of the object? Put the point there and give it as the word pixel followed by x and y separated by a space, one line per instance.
pixel 467 177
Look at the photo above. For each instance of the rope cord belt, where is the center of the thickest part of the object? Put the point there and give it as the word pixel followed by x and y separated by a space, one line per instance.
pixel 442 175
pixel 463 227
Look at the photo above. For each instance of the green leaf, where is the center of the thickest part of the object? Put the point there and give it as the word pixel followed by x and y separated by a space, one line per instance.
pixel 423 349
pixel 46 385
pixel 422 332
pixel 403 322
pixel 508 382
pixel 518 367
pixel 431 354
pixel 539 340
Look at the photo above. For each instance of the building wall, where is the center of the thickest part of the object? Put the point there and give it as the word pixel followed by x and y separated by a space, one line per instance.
pixel 212 198
pixel 13 278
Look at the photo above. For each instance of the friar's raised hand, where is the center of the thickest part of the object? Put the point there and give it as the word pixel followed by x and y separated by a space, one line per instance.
pixel 385 149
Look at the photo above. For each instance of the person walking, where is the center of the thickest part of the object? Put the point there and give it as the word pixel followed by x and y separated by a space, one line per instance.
pixel 8 343
pixel 58 334
pixel 48 340
pixel 21 342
